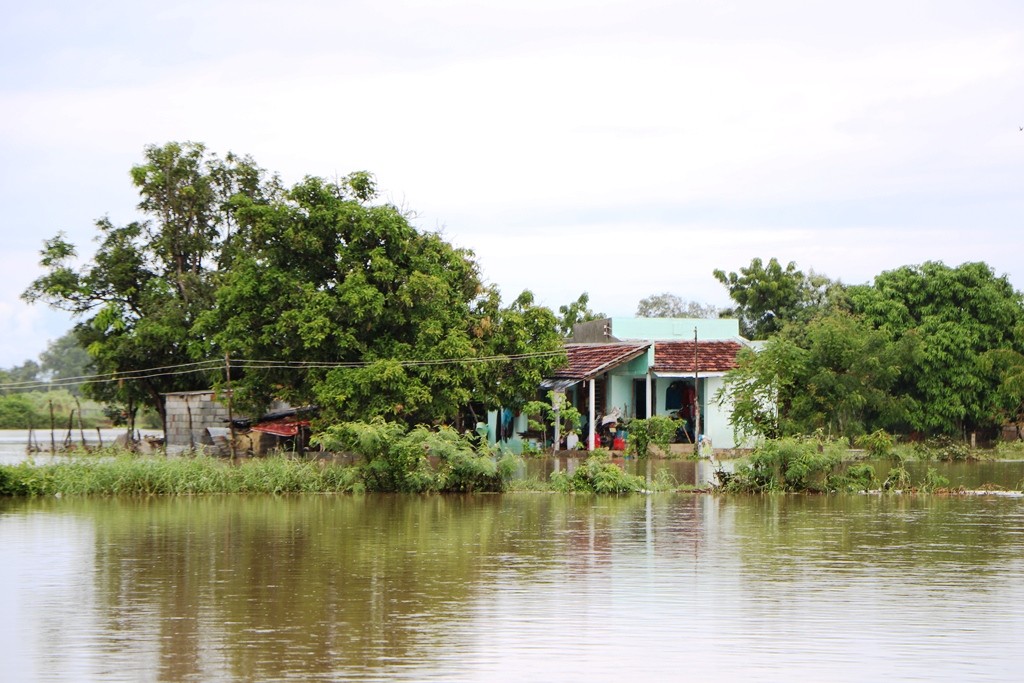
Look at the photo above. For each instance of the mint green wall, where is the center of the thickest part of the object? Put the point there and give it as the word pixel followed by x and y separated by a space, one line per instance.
pixel 660 329
pixel 718 428
pixel 716 418
pixel 620 394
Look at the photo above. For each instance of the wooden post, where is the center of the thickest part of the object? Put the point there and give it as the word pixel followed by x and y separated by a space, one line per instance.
pixel 191 435
pixel 53 425
pixel 81 429
pixel 650 393
pixel 131 425
pixel 557 399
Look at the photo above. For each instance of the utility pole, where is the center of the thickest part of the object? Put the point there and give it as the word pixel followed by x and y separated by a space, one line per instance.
pixel 696 396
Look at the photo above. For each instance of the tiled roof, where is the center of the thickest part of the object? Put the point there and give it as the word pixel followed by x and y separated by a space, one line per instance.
pixel 712 356
pixel 588 360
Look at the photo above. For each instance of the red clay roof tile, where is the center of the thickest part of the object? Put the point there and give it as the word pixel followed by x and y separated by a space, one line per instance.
pixel 712 356
pixel 588 360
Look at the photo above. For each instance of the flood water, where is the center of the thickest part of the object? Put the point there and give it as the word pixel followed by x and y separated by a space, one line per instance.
pixel 524 587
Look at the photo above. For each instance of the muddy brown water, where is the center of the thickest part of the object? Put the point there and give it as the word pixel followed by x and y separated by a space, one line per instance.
pixel 515 587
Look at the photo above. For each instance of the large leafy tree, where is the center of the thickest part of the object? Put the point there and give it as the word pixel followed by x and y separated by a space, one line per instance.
pixel 315 293
pixel 324 276
pixel 768 295
pixel 835 373
pixel 960 315
pixel 140 295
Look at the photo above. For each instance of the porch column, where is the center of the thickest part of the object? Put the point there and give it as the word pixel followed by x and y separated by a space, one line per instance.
pixel 593 418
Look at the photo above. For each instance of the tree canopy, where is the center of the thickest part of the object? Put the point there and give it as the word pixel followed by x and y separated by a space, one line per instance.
pixel 668 305
pixel 835 373
pixel 576 312
pixel 769 295
pixel 930 349
pixel 319 293
pixel 959 316
pixel 140 295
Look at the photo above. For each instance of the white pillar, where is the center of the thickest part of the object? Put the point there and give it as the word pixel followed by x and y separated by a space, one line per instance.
pixel 593 418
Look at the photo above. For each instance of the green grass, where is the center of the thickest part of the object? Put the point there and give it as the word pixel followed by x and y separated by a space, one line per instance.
pixel 117 473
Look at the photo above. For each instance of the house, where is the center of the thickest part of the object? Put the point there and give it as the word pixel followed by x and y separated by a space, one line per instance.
pixel 638 367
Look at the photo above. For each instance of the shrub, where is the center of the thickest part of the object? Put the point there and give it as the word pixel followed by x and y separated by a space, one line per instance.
pixel 933 481
pixel 789 464
pixel 860 477
pixel 658 430
pixel 878 444
pixel 394 460
pixel 898 478
pixel 597 475
pixel 946 449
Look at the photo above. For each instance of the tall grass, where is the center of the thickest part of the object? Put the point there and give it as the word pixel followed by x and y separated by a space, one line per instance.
pixel 114 472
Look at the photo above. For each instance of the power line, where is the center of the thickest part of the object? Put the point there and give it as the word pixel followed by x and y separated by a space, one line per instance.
pixel 256 364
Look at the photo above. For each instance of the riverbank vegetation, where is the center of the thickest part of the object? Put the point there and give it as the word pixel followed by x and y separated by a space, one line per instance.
pixel 405 466
pixel 817 465
pixel 339 298
pixel 323 293
pixel 921 351
pixel 384 457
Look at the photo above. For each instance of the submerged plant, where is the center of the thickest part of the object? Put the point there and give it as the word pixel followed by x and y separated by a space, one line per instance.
pixel 898 478
pixel 789 464
pixel 859 477
pixel 394 460
pixel 934 481
pixel 878 444
pixel 597 474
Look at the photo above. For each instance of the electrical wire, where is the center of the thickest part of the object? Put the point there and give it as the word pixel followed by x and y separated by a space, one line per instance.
pixel 256 364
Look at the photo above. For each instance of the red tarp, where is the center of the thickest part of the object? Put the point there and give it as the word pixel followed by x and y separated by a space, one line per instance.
pixel 281 427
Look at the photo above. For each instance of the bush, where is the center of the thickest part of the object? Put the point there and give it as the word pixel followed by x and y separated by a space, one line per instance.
pixel 878 444
pixel 597 475
pixel 789 464
pixel 394 460
pixel 658 431
pixel 859 477
pixel 948 450
pixel 934 481
pixel 898 478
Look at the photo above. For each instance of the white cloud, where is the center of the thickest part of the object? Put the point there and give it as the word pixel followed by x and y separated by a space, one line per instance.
pixel 618 148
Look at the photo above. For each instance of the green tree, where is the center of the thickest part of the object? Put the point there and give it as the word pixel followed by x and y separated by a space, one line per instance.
pixel 315 293
pixel 769 295
pixel 835 373
pixel 324 276
pixel 22 377
pixel 1009 368
pixel 66 359
pixel 958 315
pixel 148 282
pixel 576 312
pixel 668 305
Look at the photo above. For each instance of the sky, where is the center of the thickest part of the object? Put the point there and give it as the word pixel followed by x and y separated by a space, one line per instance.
pixel 622 149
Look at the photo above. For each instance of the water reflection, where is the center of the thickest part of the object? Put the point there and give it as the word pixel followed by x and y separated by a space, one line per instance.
pixel 524 587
